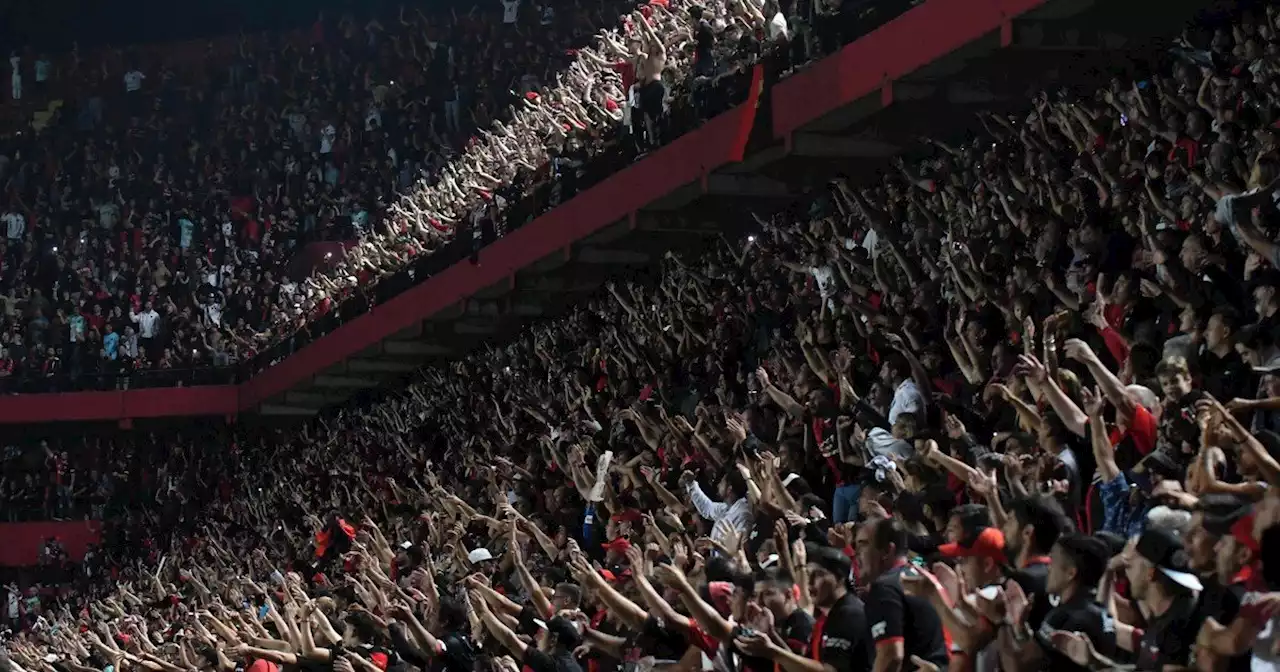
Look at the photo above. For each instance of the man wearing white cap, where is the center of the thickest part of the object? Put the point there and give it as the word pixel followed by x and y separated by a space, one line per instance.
pixel 478 556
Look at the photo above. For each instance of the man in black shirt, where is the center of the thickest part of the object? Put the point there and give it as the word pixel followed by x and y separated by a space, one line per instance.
pixel 1223 373
pixel 1032 528
pixel 841 640
pixel 793 626
pixel 1079 561
pixel 1226 522
pixel 902 626
pixel 555 648
pixel 1160 578
pixel 556 640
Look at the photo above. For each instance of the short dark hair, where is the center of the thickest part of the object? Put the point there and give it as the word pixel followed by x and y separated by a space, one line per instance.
pixel 571 592
pixel 886 531
pixel 777 577
pixel 737 484
pixel 898 365
pixel 1089 555
pixel 1057 429
pixel 1229 316
pixel 453 614
pixel 1043 513
pixel 972 516
pixel 1143 358
pixel 810 500
pixel 566 632
pixel 1254 337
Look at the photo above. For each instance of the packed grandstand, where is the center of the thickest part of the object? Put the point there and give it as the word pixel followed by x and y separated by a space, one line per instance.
pixel 1014 406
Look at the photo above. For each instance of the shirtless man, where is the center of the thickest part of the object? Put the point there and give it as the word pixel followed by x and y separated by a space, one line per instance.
pixel 631 58
pixel 651 93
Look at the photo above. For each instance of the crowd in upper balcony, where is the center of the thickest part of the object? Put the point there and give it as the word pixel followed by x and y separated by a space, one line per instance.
pixel 154 217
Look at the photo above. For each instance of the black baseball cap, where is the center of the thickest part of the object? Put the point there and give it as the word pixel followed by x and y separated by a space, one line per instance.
pixel 1165 550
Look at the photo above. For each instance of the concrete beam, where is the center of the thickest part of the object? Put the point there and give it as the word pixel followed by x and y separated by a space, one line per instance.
pixel 311 399
pixel 608 235
pixel 906 91
pixel 526 310
pixel 1048 37
pixel 959 93
pixel 552 284
pixel 828 146
pixel 746 186
pixel 484 308
pixel 291 411
pixel 453 312
pixel 548 263
pixel 379 366
pixel 474 328
pixel 649 222
pixel 416 349
pixel 596 255
pixel 410 332
pixel 343 381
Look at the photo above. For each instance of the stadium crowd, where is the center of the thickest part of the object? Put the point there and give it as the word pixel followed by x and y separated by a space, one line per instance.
pixel 158 220
pixel 846 442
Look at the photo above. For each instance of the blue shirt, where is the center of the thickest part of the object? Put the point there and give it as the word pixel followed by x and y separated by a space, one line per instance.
pixel 588 522
pixel 186 227
pixel 109 343
pixel 1118 515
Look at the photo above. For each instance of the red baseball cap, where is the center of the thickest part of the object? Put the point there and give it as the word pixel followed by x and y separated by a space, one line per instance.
pixel 621 544
pixel 989 543
pixel 261 665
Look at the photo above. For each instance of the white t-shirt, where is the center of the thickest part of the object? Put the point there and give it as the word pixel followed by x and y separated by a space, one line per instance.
pixel 778 28
pixel 869 243
pixel 133 80
pixel 107 215
pixel 510 10
pixel 42 70
pixel 15 225
pixel 906 399
pixel 187 229
pixel 822 276
pixel 213 313
pixel 147 321
pixel 327 135
pixel 16 78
